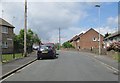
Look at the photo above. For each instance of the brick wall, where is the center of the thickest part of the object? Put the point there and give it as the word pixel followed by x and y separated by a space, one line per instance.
pixel 9 39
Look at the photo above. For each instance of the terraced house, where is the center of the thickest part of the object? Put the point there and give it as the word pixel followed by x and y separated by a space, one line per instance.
pixel 87 40
pixel 6 36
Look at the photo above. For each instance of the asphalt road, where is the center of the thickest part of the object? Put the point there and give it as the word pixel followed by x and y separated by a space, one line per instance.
pixel 69 66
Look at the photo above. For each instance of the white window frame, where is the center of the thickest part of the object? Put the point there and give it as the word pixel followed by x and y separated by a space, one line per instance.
pixel 4 44
pixel 4 29
pixel 94 39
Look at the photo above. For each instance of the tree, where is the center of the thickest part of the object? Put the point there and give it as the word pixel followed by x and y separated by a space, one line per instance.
pixel 17 43
pixel 36 38
pixel 67 45
pixel 107 34
pixel 31 38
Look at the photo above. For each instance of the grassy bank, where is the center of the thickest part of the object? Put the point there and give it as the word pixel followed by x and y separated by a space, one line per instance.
pixel 9 57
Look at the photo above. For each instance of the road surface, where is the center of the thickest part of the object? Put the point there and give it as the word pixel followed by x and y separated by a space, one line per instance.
pixel 69 66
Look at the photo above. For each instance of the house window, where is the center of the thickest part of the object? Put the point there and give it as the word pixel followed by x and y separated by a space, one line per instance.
pixel 4 45
pixel 4 29
pixel 94 39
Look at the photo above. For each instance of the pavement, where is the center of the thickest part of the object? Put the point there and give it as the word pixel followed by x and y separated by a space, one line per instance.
pixel 14 65
pixel 69 66
pixel 105 59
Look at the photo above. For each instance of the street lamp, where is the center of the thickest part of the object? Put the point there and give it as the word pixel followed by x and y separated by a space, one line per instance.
pixel 98 6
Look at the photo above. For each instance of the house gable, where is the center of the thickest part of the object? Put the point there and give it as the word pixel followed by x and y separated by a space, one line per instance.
pixel 90 39
pixel 93 30
pixel 5 23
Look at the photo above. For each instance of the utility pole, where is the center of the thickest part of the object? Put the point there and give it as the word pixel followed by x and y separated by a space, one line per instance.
pixel 25 29
pixel 13 43
pixel 59 39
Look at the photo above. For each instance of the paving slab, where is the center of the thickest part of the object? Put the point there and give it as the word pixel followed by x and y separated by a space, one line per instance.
pixel 8 67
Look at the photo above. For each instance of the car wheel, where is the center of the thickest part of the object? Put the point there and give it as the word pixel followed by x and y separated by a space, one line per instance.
pixel 54 56
pixel 38 58
pixel 41 58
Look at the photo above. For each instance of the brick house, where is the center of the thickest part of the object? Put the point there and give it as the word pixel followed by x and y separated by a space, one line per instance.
pixel 6 36
pixel 88 40
pixel 73 41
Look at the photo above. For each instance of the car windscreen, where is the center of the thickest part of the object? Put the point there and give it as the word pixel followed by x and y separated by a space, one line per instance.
pixel 49 45
pixel 43 46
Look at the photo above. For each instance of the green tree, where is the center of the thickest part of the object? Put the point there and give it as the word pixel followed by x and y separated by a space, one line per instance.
pixel 57 46
pixel 67 45
pixel 17 43
pixel 36 38
pixel 107 34
pixel 31 38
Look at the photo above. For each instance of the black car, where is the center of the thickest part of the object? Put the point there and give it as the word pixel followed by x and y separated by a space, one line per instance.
pixel 46 51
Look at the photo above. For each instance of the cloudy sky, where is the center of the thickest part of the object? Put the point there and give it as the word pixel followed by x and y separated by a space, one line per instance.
pixel 45 18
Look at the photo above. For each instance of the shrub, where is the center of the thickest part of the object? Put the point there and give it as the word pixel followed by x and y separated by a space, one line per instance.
pixel 114 46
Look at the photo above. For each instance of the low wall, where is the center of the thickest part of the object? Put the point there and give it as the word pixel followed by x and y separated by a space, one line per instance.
pixel 111 53
pixel 96 51
pixel 68 49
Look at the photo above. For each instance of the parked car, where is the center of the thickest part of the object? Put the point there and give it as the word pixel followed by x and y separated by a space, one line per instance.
pixel 46 51
pixel 35 47
pixel 51 46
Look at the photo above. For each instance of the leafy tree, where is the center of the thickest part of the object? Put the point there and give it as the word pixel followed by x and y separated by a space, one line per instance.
pixel 31 38
pixel 17 44
pixel 107 34
pixel 67 45
pixel 36 38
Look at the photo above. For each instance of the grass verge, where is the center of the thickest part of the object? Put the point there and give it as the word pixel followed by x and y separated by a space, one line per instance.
pixel 117 57
pixel 9 57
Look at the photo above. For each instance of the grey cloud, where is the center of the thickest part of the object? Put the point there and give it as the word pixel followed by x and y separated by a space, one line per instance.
pixel 46 18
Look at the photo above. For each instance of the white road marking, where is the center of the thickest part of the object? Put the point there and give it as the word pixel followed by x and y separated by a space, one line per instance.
pixel 106 65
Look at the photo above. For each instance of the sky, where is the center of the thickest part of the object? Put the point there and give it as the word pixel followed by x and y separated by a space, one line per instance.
pixel 45 18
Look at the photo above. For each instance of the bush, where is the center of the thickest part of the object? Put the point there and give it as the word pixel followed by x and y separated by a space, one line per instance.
pixel 114 46
pixel 67 45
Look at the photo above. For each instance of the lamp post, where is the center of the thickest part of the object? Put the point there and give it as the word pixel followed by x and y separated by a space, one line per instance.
pixel 98 6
